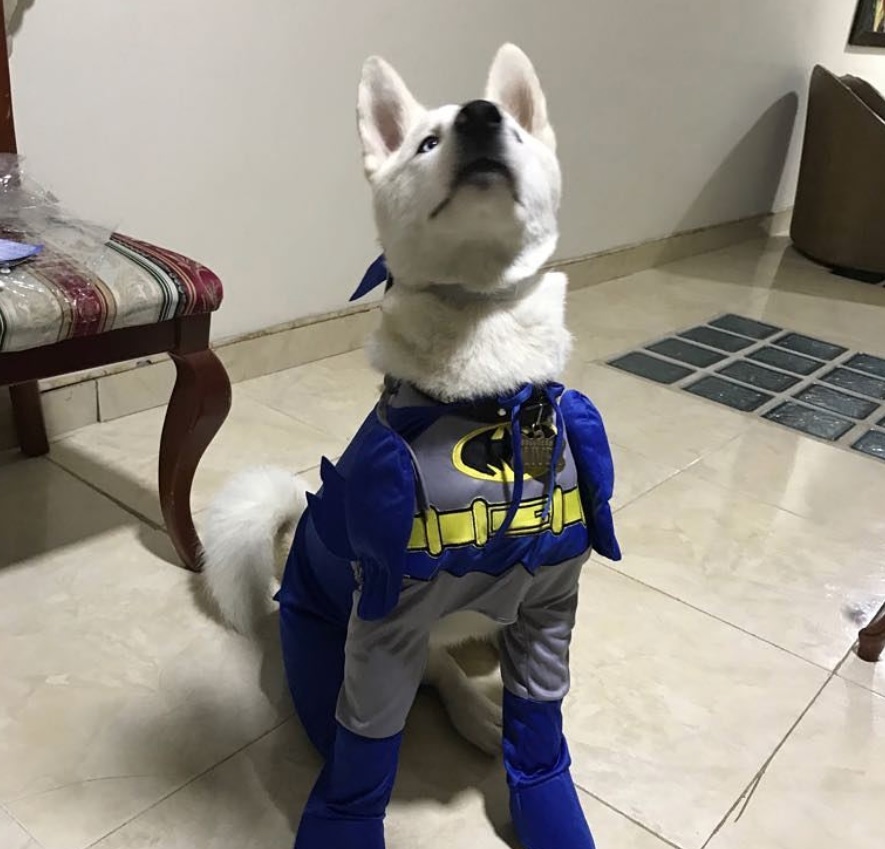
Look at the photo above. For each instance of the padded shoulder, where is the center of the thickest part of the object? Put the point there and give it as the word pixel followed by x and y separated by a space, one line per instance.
pixel 596 474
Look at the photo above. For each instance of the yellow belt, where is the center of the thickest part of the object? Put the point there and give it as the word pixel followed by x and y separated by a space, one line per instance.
pixel 433 531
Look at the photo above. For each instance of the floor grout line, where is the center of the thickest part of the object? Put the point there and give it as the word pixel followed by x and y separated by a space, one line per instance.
pixel 746 493
pixel 748 792
pixel 651 489
pixel 151 523
pixel 716 618
pixel 676 472
pixel 627 816
pixel 20 824
pixel 189 781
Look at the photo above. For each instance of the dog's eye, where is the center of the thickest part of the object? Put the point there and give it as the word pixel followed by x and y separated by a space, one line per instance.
pixel 428 144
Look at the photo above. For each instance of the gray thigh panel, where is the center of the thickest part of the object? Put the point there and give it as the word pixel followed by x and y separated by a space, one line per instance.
pixel 384 663
pixel 535 648
pixel 385 659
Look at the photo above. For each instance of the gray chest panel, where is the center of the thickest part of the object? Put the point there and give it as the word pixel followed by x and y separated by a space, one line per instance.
pixel 460 460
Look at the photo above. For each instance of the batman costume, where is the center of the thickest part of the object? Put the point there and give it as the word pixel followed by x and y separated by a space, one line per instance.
pixel 490 505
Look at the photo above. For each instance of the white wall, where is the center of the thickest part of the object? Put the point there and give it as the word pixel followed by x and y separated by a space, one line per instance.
pixel 226 130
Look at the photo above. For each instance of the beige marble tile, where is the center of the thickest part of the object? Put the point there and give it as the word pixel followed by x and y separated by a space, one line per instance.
pixel 446 795
pixel 13 836
pixel 762 263
pixel 869 675
pixel 667 427
pixel 825 787
pixel 777 575
pixel 333 395
pixel 120 457
pixel 790 291
pixel 312 477
pixel 289 347
pixel 827 484
pixel 43 508
pixel 671 712
pixel 613 317
pixel 147 385
pixel 117 688
pixel 636 474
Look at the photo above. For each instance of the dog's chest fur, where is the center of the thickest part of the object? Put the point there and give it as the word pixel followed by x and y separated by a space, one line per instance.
pixel 457 349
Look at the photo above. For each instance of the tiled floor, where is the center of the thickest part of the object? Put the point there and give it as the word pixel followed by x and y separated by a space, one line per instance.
pixel 715 702
pixel 722 361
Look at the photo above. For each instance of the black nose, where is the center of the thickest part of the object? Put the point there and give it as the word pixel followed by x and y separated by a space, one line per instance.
pixel 478 118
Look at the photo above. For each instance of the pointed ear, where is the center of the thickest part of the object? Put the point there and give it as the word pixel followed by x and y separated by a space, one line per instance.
pixel 385 111
pixel 514 85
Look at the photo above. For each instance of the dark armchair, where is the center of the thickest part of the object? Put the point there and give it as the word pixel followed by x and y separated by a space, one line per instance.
pixel 839 215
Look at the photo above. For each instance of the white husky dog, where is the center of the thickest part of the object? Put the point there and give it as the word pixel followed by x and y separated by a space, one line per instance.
pixel 465 232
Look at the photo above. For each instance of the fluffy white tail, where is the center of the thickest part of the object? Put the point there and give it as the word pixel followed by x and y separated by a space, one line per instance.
pixel 242 530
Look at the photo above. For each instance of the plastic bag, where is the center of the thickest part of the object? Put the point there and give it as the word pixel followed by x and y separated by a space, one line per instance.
pixel 55 292
pixel 32 215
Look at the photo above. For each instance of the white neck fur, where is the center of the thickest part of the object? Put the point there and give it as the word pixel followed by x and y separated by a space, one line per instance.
pixel 468 348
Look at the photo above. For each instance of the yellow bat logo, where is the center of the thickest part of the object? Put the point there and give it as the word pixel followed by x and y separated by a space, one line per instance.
pixel 486 454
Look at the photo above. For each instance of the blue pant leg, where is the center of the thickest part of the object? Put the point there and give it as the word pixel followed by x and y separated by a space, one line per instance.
pixel 313 654
pixel 534 664
pixel 315 602
pixel 347 805
pixel 543 800
pixel 384 661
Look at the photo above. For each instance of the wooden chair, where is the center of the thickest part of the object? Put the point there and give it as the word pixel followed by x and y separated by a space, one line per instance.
pixel 155 301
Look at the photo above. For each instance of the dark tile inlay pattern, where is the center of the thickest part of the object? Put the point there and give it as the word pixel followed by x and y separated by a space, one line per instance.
pixel 764 378
pixel 809 346
pixel 717 339
pixel 872 443
pixel 651 367
pixel 867 363
pixel 837 402
pixel 745 326
pixel 728 393
pixel 813 422
pixel 807 384
pixel 854 382
pixel 785 360
pixel 678 349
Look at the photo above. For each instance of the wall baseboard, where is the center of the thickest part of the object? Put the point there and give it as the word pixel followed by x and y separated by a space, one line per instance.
pixel 76 400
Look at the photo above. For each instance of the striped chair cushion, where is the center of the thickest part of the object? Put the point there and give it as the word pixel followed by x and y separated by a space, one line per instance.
pixel 131 283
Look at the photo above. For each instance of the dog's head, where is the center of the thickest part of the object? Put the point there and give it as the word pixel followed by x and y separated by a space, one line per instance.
pixel 462 194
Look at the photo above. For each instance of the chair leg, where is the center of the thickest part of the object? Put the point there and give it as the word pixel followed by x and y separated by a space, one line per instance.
pixel 199 405
pixel 27 412
pixel 872 638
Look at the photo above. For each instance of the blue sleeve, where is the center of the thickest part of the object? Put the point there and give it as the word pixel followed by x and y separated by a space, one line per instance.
pixel 379 509
pixel 596 472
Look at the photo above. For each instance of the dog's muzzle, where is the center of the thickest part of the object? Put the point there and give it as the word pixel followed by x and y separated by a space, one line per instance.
pixel 479 132
pixel 479 129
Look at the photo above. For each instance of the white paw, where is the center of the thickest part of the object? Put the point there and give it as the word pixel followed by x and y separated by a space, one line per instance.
pixel 476 717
